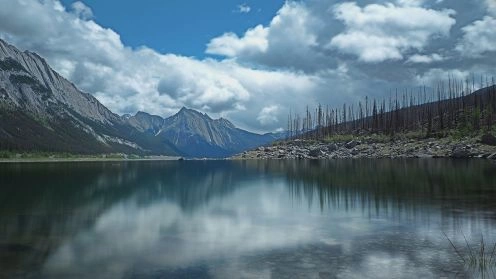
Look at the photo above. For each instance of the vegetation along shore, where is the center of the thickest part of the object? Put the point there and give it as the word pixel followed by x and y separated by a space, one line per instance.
pixel 377 147
pixel 445 122
pixel 41 157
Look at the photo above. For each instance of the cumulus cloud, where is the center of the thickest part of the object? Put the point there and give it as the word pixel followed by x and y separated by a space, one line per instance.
pixel 289 41
pixel 310 52
pixel 253 42
pixel 410 2
pixel 81 10
pixel 479 37
pixel 436 75
pixel 426 59
pixel 127 79
pixel 268 115
pixel 491 5
pixel 202 84
pixel 243 8
pixel 378 32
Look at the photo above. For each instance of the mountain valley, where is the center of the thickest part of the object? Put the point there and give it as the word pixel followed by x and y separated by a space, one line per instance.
pixel 42 111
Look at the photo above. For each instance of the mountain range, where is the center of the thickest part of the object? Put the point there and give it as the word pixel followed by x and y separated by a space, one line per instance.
pixel 195 134
pixel 42 111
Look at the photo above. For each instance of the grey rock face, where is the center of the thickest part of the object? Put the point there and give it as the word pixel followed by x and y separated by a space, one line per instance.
pixel 408 148
pixel 315 152
pixel 332 147
pixel 195 134
pixel 461 152
pixel 352 144
pixel 33 95
pixel 29 74
pixel 145 122
pixel 492 156
pixel 41 110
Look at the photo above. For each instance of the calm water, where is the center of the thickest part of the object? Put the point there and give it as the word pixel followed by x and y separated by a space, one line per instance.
pixel 252 219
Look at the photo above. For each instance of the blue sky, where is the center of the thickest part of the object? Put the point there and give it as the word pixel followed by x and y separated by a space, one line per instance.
pixel 253 67
pixel 179 26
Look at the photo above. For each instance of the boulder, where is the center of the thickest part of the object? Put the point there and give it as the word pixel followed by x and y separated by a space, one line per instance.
pixel 461 153
pixel 332 147
pixel 488 139
pixel 316 152
pixel 352 144
pixel 423 156
pixel 492 156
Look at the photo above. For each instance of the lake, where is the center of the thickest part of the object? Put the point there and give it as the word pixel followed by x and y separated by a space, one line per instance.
pixel 245 219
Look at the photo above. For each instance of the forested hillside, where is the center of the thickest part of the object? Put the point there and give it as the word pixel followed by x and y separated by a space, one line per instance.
pixel 460 107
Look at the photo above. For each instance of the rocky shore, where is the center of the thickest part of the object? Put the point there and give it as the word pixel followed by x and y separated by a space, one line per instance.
pixel 484 147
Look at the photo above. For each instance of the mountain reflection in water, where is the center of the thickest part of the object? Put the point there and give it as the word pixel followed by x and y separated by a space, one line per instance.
pixel 242 219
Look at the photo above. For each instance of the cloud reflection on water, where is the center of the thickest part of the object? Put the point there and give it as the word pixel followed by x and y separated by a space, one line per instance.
pixel 253 219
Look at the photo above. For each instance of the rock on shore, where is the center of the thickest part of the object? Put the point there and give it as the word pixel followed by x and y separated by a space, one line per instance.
pixel 409 148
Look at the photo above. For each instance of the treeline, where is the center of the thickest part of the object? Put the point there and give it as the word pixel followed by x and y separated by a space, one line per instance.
pixel 20 132
pixel 464 105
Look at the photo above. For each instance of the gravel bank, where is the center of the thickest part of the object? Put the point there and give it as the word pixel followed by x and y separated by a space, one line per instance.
pixel 424 148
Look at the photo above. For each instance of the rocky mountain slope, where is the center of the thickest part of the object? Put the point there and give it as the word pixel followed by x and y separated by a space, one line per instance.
pixel 197 135
pixel 42 111
pixel 369 148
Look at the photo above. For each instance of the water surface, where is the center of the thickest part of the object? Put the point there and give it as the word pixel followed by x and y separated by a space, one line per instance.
pixel 243 219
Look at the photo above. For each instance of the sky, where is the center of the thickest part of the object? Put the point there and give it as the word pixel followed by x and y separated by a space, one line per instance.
pixel 253 61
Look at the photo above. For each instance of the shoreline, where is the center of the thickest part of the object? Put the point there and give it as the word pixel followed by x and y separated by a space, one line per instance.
pixel 234 158
pixel 82 159
pixel 467 148
pixel 362 148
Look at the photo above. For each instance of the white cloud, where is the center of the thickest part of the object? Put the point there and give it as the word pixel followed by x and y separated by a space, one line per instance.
pixel 243 8
pixel 289 41
pixel 426 59
pixel 304 56
pixel 436 75
pixel 479 38
pixel 254 41
pixel 127 80
pixel 376 32
pixel 81 10
pixel 491 5
pixel 414 3
pixel 226 227
pixel 268 115
pixel 202 84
